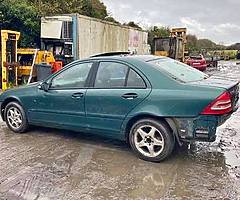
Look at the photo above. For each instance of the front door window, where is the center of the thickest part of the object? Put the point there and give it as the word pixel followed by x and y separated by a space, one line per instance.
pixel 73 77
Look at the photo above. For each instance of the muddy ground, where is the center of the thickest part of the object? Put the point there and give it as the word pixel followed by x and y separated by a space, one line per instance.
pixel 53 164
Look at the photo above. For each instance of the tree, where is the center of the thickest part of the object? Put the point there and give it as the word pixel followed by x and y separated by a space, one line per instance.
pixel 161 31
pixel 195 45
pixel 21 16
pixel 192 43
pixel 25 15
pixel 91 8
pixel 133 24
pixel 111 19
pixel 235 46
pixel 206 44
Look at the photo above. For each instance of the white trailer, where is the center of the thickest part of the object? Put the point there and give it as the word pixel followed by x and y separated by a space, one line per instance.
pixel 76 36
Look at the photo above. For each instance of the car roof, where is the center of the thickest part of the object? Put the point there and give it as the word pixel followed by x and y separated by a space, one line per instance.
pixel 147 58
pixel 144 58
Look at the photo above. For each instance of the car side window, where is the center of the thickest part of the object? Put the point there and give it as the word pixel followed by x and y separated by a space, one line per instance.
pixel 134 80
pixel 73 77
pixel 111 75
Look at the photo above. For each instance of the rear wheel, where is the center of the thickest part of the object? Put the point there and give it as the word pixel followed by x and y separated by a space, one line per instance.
pixel 15 117
pixel 151 140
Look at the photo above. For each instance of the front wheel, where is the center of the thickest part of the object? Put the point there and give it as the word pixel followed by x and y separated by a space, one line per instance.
pixel 15 117
pixel 151 140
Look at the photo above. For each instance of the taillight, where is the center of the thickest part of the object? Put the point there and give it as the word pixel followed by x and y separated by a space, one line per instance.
pixel 219 106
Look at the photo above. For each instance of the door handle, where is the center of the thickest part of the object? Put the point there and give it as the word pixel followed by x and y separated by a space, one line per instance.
pixel 130 96
pixel 78 95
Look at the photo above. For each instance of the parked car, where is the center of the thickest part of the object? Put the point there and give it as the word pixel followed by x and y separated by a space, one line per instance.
pixel 212 61
pixel 198 62
pixel 149 101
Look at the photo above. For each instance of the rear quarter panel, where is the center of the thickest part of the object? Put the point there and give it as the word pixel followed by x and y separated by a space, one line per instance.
pixel 184 102
pixel 176 102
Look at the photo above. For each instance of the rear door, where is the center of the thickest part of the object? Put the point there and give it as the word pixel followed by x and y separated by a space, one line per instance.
pixel 117 89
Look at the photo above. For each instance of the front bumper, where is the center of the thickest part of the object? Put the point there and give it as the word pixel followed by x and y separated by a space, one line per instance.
pixel 201 128
pixel 200 67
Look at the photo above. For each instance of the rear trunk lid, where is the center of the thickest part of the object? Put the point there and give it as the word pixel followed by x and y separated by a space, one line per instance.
pixel 217 81
pixel 232 86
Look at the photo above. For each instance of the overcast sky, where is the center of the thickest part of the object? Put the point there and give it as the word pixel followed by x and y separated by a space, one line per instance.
pixel 218 20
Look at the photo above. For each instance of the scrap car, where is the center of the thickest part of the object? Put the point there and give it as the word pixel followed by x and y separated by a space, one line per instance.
pixel 198 62
pixel 151 102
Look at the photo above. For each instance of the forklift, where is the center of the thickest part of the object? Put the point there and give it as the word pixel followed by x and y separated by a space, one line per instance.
pixel 8 59
pixel 173 46
pixel 28 58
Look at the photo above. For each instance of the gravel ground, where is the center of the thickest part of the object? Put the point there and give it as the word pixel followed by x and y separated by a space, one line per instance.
pixel 54 164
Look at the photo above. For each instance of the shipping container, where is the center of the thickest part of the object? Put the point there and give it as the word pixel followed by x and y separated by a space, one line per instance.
pixel 75 36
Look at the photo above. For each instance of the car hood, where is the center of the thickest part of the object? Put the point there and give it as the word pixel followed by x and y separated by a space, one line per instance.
pixel 217 81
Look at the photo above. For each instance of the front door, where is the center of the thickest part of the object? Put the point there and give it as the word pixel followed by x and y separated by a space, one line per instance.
pixel 64 103
pixel 116 91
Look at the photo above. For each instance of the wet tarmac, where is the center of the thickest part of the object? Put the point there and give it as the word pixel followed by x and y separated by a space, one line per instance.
pixel 53 164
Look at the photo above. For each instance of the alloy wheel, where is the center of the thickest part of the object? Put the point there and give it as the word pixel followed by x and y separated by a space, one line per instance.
pixel 14 117
pixel 149 141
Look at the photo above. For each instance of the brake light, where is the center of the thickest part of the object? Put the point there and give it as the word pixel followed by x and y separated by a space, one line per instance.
pixel 219 106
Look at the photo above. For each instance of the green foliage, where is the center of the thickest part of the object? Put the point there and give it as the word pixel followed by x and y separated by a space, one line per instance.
pixel 91 8
pixel 24 16
pixel 161 31
pixel 133 24
pixel 21 16
pixel 205 44
pixel 111 19
pixel 234 47
pixel 195 45
pixel 192 43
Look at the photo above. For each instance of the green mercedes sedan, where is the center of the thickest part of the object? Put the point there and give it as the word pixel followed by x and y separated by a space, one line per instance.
pixel 150 102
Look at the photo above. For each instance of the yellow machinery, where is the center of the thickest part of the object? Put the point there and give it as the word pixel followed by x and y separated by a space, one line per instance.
pixel 27 58
pixel 173 46
pixel 224 54
pixel 8 58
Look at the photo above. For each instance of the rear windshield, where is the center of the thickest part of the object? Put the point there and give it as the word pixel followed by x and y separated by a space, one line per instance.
pixel 178 71
pixel 196 57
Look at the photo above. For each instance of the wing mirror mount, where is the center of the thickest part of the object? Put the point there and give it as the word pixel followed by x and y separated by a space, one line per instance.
pixel 43 86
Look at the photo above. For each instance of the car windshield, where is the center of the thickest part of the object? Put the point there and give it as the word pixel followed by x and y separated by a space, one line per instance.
pixel 178 71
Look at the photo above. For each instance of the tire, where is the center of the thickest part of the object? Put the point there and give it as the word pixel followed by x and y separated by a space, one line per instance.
pixel 15 117
pixel 151 140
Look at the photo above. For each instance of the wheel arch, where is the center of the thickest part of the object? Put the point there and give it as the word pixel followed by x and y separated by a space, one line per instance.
pixel 170 122
pixel 6 101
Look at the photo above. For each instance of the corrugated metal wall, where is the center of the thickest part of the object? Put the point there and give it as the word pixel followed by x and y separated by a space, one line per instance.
pixel 97 36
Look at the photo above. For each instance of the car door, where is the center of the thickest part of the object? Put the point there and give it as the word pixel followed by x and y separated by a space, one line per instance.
pixel 63 103
pixel 117 89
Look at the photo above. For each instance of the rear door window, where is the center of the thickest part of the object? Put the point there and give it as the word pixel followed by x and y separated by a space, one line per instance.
pixel 135 80
pixel 111 75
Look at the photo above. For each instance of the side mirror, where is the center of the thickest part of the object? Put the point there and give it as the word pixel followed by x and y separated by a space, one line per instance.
pixel 43 86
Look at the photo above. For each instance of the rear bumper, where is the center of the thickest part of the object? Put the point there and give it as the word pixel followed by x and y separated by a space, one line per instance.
pixel 200 67
pixel 201 128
